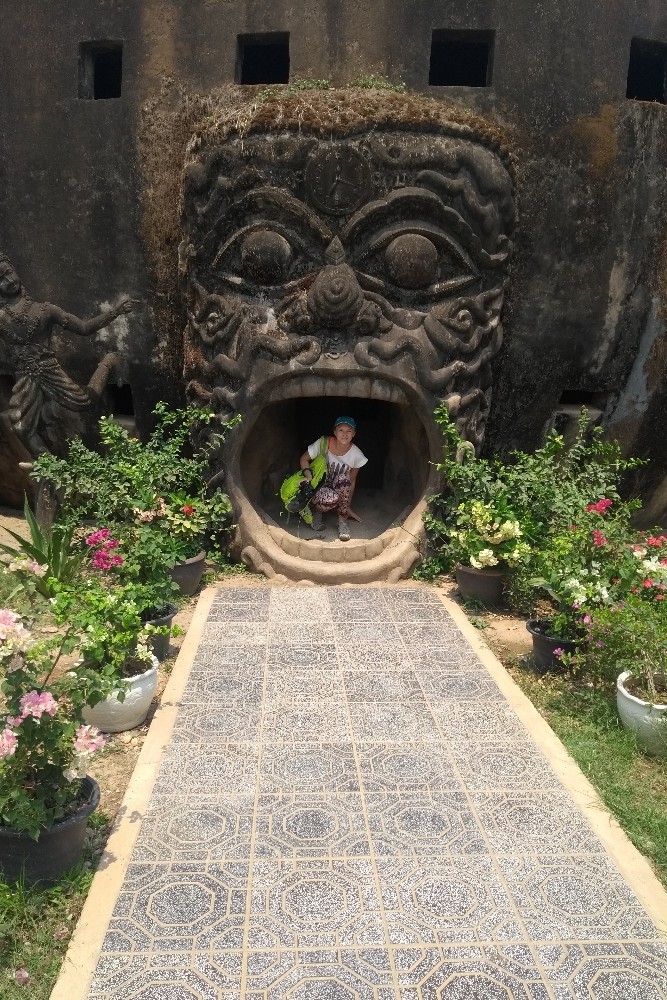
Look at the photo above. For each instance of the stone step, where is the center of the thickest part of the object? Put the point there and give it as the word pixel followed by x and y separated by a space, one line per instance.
pixel 315 549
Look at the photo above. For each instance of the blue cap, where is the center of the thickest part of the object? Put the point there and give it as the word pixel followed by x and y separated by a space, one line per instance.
pixel 345 420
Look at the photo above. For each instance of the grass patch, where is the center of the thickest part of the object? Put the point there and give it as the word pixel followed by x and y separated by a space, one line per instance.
pixel 35 927
pixel 632 786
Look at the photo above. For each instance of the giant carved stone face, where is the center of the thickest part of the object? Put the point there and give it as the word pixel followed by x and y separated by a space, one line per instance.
pixel 362 273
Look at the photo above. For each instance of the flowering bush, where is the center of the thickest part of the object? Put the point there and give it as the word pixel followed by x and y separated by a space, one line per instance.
pixel 629 635
pixel 589 565
pixel 486 535
pixel 113 638
pixel 44 745
pixel 153 495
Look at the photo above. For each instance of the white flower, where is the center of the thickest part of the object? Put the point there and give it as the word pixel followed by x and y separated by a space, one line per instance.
pixel 484 558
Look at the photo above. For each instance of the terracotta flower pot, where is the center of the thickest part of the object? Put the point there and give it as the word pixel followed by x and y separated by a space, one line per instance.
pixel 188 574
pixel 544 645
pixel 647 721
pixel 55 851
pixel 484 585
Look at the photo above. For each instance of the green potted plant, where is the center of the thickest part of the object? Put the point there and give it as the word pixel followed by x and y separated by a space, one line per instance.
pixel 627 646
pixel 45 795
pixel 588 565
pixel 484 541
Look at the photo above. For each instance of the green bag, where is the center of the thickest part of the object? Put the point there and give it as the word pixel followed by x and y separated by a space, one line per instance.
pixel 293 484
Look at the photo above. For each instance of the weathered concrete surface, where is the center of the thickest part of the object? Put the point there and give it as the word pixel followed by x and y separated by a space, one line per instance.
pixel 586 308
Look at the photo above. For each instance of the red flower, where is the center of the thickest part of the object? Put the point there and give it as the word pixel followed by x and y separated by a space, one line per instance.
pixel 598 538
pixel 648 582
pixel 188 509
pixel 601 507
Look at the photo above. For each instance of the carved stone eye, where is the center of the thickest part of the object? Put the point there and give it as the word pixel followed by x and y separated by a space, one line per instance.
pixel 412 261
pixel 266 257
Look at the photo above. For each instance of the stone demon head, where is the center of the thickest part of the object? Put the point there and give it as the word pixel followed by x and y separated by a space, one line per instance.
pixel 344 258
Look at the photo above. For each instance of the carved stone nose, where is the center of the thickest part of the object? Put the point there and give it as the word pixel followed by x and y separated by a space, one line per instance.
pixel 335 297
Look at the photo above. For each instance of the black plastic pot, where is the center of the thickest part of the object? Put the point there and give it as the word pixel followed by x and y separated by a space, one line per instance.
pixel 160 643
pixel 484 585
pixel 544 645
pixel 188 574
pixel 55 851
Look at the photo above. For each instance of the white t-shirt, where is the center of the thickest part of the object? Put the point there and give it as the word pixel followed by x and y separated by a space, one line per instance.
pixel 340 465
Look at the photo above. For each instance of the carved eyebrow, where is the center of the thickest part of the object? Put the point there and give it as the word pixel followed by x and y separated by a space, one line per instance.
pixel 269 197
pixel 431 206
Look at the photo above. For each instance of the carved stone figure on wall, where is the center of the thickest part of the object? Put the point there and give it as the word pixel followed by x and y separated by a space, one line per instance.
pixel 41 385
pixel 363 261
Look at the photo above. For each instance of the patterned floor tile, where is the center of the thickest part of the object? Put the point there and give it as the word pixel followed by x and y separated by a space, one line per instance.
pixel 538 822
pixel 214 657
pixel 179 828
pixel 197 724
pixel 481 720
pixel 448 899
pixel 361 634
pixel 292 633
pixel 438 633
pixel 574 899
pixel 255 607
pixel 382 686
pixel 410 722
pixel 226 770
pixel 227 689
pixel 496 766
pixel 307 720
pixel 173 905
pixel 311 609
pixel 606 971
pixel 237 633
pixel 412 825
pixel 405 767
pixel 446 656
pixel 307 653
pixel 307 683
pixel 439 686
pixel 309 768
pixel 374 656
pixel 469 973
pixel 357 606
pixel 305 825
pixel 324 904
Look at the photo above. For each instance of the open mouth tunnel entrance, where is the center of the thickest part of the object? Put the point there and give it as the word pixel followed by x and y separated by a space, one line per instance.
pixel 390 435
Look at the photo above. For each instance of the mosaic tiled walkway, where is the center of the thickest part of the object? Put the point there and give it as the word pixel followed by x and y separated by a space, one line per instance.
pixel 349 809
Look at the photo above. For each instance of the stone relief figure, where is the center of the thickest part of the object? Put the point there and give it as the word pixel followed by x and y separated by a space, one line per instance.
pixel 350 258
pixel 389 247
pixel 41 385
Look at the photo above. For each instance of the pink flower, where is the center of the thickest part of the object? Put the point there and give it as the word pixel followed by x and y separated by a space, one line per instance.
pixel 35 704
pixel 102 560
pixel 22 977
pixel 144 515
pixel 11 626
pixel 648 582
pixel 98 537
pixel 111 543
pixel 601 507
pixel 659 597
pixel 586 619
pixel 8 741
pixel 87 739
pixel 558 651
pixel 15 720
pixel 598 538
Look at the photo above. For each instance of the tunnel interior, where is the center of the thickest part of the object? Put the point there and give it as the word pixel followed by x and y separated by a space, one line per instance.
pixel 390 435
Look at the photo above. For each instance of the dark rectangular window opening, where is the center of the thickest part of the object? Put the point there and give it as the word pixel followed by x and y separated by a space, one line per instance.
pixel 100 70
pixel 121 400
pixel 461 59
pixel 647 70
pixel 263 58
